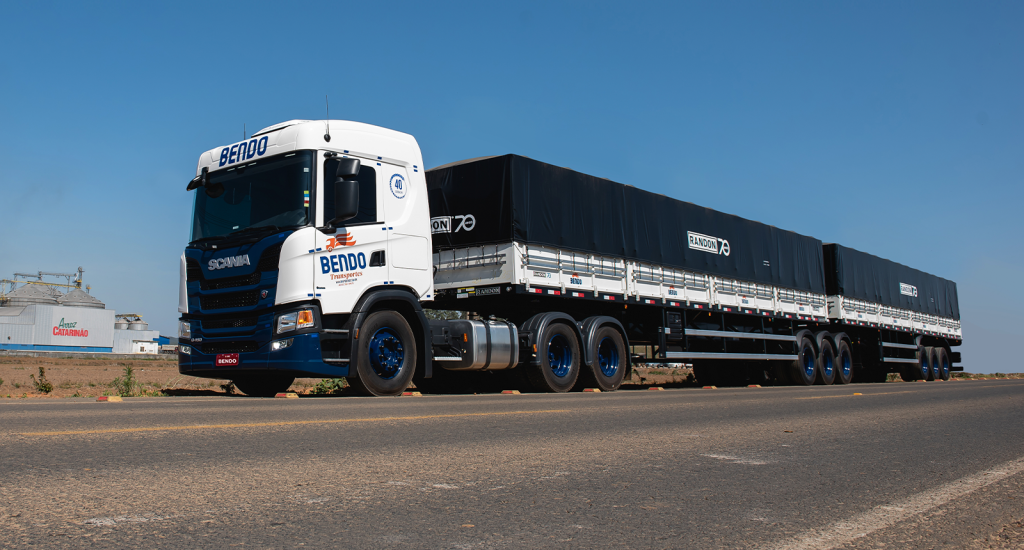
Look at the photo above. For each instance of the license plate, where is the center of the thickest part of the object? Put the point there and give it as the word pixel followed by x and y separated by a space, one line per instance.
pixel 227 359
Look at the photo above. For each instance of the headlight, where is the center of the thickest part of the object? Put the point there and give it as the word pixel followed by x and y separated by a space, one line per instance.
pixel 184 329
pixel 286 322
pixel 185 349
pixel 295 320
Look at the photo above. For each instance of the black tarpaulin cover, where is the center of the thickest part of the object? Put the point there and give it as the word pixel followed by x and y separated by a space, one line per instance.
pixel 860 275
pixel 514 198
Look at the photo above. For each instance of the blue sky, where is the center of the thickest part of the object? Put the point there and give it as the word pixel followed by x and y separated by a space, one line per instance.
pixel 896 128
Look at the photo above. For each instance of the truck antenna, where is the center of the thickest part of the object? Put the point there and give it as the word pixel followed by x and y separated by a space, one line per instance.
pixel 327 136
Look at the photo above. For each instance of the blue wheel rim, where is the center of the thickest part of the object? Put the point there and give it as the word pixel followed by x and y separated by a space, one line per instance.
pixel 608 357
pixel 944 366
pixel 828 365
pixel 559 355
pixel 845 364
pixel 926 366
pixel 807 361
pixel 386 353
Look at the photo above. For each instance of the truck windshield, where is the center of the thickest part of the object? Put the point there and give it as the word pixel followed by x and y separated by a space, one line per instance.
pixel 268 192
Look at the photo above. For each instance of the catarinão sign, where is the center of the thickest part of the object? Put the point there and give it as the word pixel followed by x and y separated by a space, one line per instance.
pixel 68 329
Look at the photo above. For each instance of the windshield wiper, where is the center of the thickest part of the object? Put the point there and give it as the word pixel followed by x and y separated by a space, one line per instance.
pixel 256 228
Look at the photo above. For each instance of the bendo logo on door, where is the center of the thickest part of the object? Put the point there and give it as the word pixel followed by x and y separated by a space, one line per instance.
pixel 398 186
pixel 344 239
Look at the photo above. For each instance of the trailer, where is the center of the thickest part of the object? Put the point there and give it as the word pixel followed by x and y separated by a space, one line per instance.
pixel 314 252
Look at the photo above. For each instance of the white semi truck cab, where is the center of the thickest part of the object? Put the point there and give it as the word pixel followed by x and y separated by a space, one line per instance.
pixel 314 245
pixel 282 245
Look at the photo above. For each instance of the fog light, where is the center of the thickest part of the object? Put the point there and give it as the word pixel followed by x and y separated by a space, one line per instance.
pixel 280 344
pixel 187 350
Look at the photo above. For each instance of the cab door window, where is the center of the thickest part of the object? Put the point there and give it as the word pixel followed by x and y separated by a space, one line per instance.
pixel 367 193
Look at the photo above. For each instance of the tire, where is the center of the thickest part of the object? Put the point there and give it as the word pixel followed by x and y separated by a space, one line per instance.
pixel 386 355
pixel 920 370
pixel 803 371
pixel 844 363
pixel 941 364
pixel 826 364
pixel 559 365
pixel 610 362
pixel 929 368
pixel 263 385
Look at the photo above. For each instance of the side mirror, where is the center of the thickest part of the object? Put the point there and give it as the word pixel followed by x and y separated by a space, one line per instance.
pixel 346 201
pixel 346 191
pixel 347 168
pixel 199 181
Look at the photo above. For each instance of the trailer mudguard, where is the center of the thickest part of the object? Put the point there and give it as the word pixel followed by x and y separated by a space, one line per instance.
pixel 589 327
pixel 380 296
pixel 536 325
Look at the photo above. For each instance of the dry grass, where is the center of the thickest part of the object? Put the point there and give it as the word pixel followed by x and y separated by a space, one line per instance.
pixel 96 377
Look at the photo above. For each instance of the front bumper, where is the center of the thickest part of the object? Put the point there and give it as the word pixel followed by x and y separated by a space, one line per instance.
pixel 303 358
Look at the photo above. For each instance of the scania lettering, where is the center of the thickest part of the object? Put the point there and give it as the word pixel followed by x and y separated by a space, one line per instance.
pixel 232 261
pixel 321 254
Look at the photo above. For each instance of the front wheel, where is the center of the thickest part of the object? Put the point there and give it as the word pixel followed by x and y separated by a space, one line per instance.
pixel 609 368
pixel 386 355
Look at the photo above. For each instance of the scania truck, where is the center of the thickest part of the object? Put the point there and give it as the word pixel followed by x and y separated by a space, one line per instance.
pixel 316 245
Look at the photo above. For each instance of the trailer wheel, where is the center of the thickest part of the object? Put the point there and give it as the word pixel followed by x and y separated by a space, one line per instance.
pixel 920 370
pixel 941 364
pixel 264 385
pixel 559 364
pixel 844 363
pixel 386 358
pixel 826 364
pixel 609 366
pixel 933 368
pixel 802 372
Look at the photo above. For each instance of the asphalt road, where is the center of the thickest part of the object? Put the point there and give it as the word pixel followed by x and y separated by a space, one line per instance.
pixel 915 465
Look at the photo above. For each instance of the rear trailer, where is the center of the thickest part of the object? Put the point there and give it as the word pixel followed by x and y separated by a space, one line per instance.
pixel 899 319
pixel 521 240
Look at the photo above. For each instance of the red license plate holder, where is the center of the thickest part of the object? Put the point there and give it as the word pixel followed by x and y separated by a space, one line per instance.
pixel 227 360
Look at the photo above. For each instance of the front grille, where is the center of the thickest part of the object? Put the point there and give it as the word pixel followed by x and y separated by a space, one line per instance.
pixel 228 347
pixel 247 298
pixel 230 282
pixel 192 270
pixel 229 323
pixel 269 258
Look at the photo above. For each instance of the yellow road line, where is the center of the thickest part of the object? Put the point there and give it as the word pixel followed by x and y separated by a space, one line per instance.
pixel 288 423
pixel 851 395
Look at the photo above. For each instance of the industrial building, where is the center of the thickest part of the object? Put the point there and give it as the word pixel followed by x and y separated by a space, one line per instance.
pixel 37 316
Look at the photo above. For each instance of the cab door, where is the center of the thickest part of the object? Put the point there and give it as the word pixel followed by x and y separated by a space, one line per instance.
pixel 409 248
pixel 351 257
